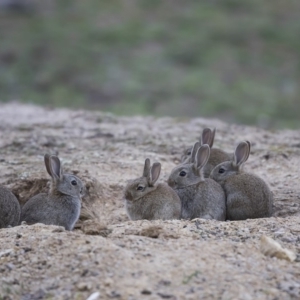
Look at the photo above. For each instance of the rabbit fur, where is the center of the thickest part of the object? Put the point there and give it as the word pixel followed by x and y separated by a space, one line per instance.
pixel 9 208
pixel 217 156
pixel 247 195
pixel 146 200
pixel 63 203
pixel 200 197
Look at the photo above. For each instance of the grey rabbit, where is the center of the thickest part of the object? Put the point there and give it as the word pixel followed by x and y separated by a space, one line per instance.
pixel 9 208
pixel 248 196
pixel 200 197
pixel 63 203
pixel 146 200
pixel 217 156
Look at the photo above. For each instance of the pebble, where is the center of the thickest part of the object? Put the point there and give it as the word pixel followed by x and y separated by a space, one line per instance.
pixel 94 296
pixel 84 286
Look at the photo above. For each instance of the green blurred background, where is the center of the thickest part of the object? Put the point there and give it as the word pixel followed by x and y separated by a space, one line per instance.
pixel 237 60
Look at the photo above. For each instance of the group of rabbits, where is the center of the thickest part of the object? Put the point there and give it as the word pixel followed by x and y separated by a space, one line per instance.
pixel 209 183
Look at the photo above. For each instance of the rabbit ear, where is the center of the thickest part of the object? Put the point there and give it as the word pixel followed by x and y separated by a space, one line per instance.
pixel 208 136
pixel 146 168
pixel 202 156
pixel 249 144
pixel 154 173
pixel 212 138
pixel 205 138
pixel 241 153
pixel 47 163
pixel 55 167
pixel 194 151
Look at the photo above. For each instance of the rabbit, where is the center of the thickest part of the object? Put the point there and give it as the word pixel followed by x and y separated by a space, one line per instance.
pixel 9 208
pixel 63 203
pixel 200 197
pixel 217 156
pixel 248 196
pixel 146 200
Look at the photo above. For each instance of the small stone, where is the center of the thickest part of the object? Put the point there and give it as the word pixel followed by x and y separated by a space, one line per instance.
pixel 6 252
pixel 94 296
pixel 114 294
pixel 165 296
pixel 10 266
pixel 269 267
pixel 271 248
pixel 146 292
pixel 108 281
pixel 58 229
pixel 289 240
pixel 83 286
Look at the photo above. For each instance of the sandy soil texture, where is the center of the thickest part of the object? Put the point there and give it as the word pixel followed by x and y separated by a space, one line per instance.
pixel 108 256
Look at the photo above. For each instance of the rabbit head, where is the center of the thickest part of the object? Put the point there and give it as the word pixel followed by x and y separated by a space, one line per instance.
pixel 190 173
pixel 66 184
pixel 207 137
pixel 228 168
pixel 139 187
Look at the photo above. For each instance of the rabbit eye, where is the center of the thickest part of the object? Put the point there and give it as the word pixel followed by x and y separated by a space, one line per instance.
pixel 221 170
pixel 189 153
pixel 74 182
pixel 182 173
pixel 139 188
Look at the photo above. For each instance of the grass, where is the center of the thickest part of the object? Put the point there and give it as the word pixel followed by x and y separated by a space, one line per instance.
pixel 237 60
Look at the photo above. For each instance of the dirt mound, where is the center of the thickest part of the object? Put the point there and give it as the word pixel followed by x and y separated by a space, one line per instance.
pixel 108 256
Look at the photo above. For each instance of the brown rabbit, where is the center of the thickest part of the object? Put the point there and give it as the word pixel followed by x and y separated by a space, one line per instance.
pixel 247 195
pixel 146 200
pixel 217 156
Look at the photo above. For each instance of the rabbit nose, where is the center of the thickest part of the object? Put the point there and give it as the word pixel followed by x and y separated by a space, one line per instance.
pixel 82 191
pixel 128 196
pixel 171 182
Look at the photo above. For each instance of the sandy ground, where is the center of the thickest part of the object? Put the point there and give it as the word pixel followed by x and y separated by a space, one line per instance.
pixel 107 256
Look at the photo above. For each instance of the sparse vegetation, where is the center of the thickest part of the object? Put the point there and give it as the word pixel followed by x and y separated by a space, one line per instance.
pixel 237 60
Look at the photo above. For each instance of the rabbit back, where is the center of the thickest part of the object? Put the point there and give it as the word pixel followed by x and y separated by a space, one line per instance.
pixel 247 197
pixel 203 200
pixel 161 203
pixel 50 210
pixel 9 208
